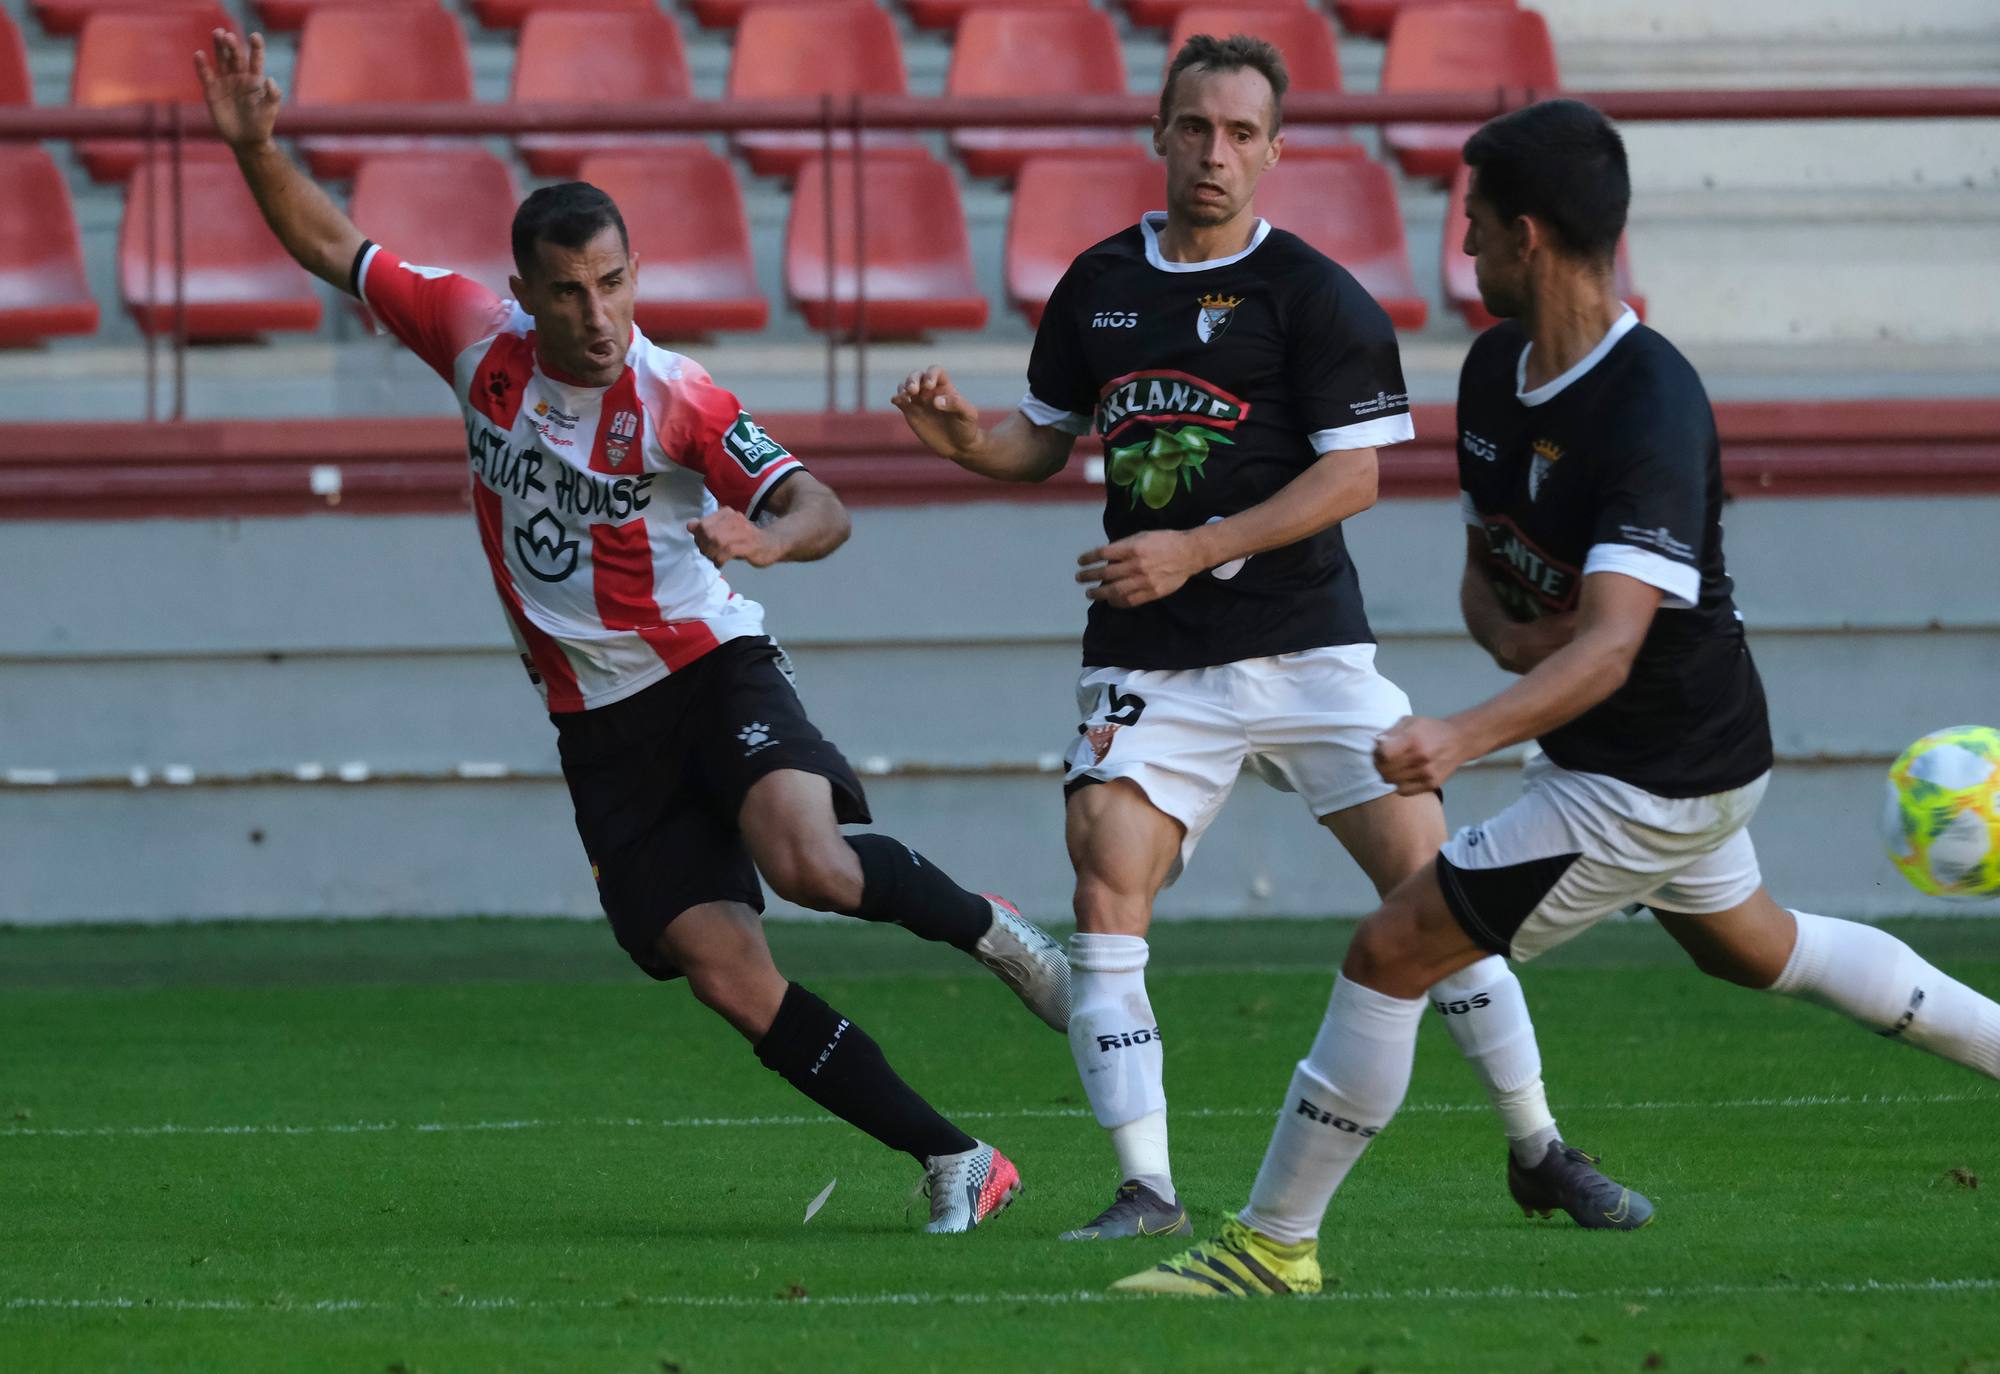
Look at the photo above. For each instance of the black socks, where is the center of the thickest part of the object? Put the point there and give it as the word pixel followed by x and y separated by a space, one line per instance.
pixel 901 886
pixel 838 1065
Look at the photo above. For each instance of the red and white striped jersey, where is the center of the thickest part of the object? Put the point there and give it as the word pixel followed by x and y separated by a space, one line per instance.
pixel 583 494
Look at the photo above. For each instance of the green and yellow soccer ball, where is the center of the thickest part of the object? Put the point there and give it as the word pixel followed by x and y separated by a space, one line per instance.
pixel 1941 819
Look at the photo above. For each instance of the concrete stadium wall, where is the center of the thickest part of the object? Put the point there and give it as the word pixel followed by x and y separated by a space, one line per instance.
pixel 323 716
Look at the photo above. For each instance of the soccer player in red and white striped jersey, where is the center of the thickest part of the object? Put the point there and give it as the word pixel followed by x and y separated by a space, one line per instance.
pixel 611 479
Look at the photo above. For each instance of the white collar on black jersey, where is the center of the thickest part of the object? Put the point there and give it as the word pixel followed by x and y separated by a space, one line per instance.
pixel 1549 390
pixel 1153 221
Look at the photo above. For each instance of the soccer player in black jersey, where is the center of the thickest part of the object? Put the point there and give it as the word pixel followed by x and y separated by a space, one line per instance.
pixel 1242 383
pixel 1592 482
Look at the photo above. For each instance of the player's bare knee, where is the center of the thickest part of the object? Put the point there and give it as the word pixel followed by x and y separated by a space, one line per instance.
pixel 1387 955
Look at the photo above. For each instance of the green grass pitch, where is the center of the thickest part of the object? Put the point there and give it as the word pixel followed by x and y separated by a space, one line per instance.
pixel 489 1145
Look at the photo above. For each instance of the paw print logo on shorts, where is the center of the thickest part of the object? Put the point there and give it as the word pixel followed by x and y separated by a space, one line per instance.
pixel 754 736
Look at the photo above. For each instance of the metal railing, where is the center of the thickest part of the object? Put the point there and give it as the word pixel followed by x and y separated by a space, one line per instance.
pixel 848 118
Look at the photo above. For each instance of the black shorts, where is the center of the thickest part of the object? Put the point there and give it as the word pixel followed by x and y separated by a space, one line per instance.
pixel 658 781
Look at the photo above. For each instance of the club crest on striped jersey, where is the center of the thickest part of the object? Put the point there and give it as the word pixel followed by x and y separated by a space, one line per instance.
pixel 624 428
pixel 1213 314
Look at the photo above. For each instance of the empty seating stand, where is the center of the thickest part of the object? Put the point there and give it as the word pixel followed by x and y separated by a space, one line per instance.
pixel 1162 14
pixel 945 14
pixel 16 86
pixel 239 281
pixel 1312 62
pixel 1063 206
pixel 1461 282
pixel 1346 208
pixel 785 50
pixel 130 57
pixel 612 56
pixel 67 16
pixel 286 15
pixel 42 287
pixel 441 209
pixel 351 55
pixel 511 14
pixel 1036 52
pixel 727 14
pixel 1459 47
pixel 684 214
pixel 1373 18
pixel 918 262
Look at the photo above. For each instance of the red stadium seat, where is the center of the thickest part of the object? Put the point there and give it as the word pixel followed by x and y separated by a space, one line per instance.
pixel 608 55
pixel 685 217
pixel 239 280
pixel 727 14
pixel 42 286
pixel 919 263
pixel 785 50
pixel 1312 62
pixel 511 14
pixel 1461 283
pixel 1045 52
pixel 441 209
pixel 945 14
pixel 1460 48
pixel 1063 206
pixel 1346 208
pixel 350 55
pixel 1162 14
pixel 67 16
pixel 286 15
pixel 130 58
pixel 16 86
pixel 1373 18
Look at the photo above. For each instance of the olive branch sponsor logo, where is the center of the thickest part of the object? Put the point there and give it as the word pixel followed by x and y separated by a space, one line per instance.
pixel 1154 469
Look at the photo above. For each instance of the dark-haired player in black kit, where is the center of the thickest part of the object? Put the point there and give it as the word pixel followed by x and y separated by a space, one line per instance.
pixel 1242 383
pixel 1592 484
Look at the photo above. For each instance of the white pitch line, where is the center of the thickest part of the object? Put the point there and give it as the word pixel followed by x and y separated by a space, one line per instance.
pixel 1010 1114
pixel 1504 1293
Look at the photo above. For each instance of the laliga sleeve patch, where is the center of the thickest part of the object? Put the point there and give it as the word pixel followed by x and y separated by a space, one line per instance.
pixel 751 447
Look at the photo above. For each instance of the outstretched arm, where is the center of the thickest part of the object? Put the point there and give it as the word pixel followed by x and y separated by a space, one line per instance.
pixel 1015 450
pixel 1145 567
pixel 801 521
pixel 244 103
pixel 1615 612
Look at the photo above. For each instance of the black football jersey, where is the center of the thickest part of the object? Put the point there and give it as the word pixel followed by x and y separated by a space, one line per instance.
pixel 1214 384
pixel 1616 467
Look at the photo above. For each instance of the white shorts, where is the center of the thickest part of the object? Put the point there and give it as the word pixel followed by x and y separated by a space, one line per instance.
pixel 1304 722
pixel 1578 846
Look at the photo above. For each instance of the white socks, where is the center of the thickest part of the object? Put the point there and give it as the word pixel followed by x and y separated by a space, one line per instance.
pixel 1116 1044
pixel 1483 1008
pixel 1344 1091
pixel 1881 982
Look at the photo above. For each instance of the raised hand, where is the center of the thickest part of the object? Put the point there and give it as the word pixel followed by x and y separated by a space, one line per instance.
pixel 1418 754
pixel 242 101
pixel 944 420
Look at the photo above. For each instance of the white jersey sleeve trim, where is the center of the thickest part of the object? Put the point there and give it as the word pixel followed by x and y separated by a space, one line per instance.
pixel 1469 513
pixel 361 288
pixel 1680 583
pixel 1377 433
pixel 1042 413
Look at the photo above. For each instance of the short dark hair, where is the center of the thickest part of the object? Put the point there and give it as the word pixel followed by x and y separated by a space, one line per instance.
pixel 1562 163
pixel 1230 54
pixel 569 215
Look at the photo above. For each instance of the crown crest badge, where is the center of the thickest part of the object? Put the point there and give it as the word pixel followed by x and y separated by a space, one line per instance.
pixel 1546 457
pixel 1213 316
